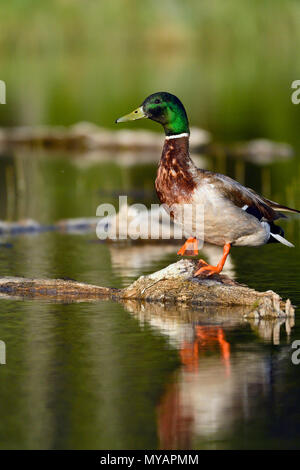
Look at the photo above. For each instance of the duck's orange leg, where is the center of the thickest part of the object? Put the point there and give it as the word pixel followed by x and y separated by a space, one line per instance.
pixel 190 245
pixel 208 270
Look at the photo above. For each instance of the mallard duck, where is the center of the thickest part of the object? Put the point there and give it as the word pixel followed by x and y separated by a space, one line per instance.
pixel 233 214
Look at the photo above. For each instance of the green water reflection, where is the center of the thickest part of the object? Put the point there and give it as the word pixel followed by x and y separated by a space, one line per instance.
pixel 104 375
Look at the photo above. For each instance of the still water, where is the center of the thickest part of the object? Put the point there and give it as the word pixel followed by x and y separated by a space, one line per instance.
pixel 110 376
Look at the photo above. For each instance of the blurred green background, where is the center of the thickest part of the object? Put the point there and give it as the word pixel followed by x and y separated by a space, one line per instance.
pixel 232 63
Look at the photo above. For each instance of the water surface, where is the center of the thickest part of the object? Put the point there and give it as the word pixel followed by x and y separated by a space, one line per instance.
pixel 105 375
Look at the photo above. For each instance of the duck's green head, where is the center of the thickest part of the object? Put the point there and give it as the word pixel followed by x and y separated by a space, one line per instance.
pixel 164 108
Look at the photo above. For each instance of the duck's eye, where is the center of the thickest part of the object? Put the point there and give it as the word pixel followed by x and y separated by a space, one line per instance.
pixel 157 101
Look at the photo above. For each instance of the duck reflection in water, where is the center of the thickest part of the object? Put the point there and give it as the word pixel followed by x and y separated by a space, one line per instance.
pixel 220 381
pixel 176 411
pixel 207 338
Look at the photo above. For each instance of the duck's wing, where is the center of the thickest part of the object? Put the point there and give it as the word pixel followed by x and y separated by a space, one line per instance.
pixel 243 197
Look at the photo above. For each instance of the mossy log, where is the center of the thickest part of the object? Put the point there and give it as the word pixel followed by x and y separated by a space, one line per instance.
pixel 172 285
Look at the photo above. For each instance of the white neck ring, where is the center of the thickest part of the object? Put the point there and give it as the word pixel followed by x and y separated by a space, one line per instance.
pixel 177 136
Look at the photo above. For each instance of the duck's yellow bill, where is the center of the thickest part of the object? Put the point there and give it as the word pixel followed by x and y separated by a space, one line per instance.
pixel 136 114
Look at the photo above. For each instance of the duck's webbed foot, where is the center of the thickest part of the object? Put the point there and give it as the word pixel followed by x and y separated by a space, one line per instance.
pixel 206 270
pixel 191 246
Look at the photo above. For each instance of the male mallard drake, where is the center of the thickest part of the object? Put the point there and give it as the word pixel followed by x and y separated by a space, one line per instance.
pixel 233 214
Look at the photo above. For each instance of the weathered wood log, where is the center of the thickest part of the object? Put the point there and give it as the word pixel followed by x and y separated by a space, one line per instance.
pixel 172 285
pixel 54 289
pixel 176 284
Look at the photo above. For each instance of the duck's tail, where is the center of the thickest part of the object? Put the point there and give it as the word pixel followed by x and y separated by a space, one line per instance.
pixel 280 208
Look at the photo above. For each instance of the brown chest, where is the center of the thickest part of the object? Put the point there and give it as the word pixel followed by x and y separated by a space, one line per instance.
pixel 174 182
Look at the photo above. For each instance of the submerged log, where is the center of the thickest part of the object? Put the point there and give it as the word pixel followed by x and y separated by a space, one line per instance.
pixel 66 290
pixel 172 285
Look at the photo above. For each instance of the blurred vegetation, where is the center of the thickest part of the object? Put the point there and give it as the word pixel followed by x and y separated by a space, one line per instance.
pixel 232 63
pixel 54 26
